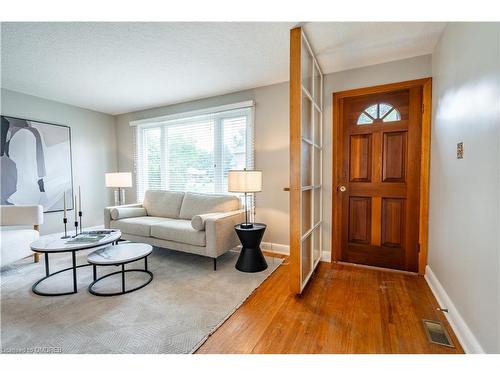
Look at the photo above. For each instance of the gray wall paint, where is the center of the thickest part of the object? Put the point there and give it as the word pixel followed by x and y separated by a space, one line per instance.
pixel 464 194
pixel 271 149
pixel 272 136
pixel 93 143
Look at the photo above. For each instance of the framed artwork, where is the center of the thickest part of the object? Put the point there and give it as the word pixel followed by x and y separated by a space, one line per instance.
pixel 35 164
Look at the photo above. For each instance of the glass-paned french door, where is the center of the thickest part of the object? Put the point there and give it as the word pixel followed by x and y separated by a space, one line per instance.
pixel 306 149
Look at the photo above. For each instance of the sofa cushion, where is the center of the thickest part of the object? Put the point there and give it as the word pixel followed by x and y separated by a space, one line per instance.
pixel 124 212
pixel 198 221
pixel 198 204
pixel 178 231
pixel 163 203
pixel 139 226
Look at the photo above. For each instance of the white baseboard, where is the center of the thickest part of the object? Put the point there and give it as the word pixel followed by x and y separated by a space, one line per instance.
pixel 285 250
pixel 326 256
pixel 276 248
pixel 462 331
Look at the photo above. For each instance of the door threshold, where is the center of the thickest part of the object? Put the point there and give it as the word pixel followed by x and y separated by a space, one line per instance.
pixel 376 268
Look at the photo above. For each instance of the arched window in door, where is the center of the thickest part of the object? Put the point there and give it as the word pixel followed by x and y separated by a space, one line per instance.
pixel 382 112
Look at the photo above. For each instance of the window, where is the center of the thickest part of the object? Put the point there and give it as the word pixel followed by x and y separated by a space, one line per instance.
pixel 193 152
pixel 381 111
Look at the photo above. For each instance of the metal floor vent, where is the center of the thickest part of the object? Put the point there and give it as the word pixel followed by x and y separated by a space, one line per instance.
pixel 436 333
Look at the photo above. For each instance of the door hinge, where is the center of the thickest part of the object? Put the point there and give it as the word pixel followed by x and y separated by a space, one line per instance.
pixel 418 248
pixel 422 107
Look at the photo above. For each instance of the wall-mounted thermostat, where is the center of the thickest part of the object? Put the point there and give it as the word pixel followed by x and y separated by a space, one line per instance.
pixel 460 150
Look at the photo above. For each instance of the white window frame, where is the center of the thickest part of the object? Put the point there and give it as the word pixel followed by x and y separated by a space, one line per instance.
pixel 219 113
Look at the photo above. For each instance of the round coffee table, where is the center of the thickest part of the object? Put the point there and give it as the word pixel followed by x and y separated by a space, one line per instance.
pixel 120 255
pixel 52 245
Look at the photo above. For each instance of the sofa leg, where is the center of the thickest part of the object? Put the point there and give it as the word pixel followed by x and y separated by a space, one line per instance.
pixel 215 264
pixel 36 257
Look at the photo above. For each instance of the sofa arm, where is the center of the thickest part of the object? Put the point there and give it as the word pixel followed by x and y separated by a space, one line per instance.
pixel 220 232
pixel 107 212
pixel 21 215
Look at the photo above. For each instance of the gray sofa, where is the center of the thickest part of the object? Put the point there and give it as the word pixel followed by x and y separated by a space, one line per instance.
pixel 195 223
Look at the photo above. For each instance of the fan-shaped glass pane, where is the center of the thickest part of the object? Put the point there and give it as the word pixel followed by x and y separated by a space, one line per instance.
pixel 384 109
pixel 392 116
pixel 381 111
pixel 372 111
pixel 363 119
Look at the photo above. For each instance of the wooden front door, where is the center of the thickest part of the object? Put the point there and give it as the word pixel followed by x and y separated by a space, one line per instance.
pixel 378 177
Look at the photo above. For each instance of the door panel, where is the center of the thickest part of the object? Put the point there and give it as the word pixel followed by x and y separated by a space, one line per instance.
pixel 393 218
pixel 307 123
pixel 360 158
pixel 360 220
pixel 306 257
pixel 306 91
pixel 394 157
pixel 307 171
pixel 306 211
pixel 380 140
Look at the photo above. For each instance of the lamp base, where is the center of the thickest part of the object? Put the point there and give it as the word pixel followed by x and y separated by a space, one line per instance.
pixel 119 196
pixel 246 225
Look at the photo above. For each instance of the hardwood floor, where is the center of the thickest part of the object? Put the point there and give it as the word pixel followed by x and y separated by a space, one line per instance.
pixel 345 309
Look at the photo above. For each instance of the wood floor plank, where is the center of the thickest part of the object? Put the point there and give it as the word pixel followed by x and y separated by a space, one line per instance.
pixel 243 327
pixel 344 309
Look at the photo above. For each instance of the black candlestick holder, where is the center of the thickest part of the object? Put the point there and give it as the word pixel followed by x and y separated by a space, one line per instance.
pixel 65 221
pixel 76 229
pixel 80 219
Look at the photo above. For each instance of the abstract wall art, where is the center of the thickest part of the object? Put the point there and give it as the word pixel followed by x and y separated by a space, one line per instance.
pixel 35 164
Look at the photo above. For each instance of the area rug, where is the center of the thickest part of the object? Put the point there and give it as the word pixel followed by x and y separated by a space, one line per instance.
pixel 175 313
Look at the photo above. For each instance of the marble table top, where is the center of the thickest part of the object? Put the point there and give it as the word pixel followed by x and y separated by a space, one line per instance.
pixel 54 244
pixel 121 253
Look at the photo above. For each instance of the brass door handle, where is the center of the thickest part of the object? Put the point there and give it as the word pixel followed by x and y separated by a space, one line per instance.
pixel 342 188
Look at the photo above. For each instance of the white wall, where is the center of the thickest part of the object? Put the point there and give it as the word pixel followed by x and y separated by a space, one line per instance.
pixel 464 222
pixel 93 146
pixel 272 136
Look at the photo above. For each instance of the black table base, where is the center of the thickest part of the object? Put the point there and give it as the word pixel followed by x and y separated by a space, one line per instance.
pixel 73 268
pixel 123 271
pixel 251 258
pixel 49 275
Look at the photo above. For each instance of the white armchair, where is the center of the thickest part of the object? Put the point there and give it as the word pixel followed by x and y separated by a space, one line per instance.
pixel 16 234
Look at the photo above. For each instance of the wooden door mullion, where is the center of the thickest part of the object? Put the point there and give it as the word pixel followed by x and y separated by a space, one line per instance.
pixel 413 179
pixel 376 180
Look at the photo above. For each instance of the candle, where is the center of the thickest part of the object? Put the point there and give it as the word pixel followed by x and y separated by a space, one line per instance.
pixel 76 217
pixel 64 196
pixel 79 198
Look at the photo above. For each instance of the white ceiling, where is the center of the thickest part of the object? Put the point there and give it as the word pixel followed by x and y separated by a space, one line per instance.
pixel 123 67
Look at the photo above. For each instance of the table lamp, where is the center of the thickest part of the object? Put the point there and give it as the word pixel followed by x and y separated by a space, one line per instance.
pixel 119 181
pixel 244 181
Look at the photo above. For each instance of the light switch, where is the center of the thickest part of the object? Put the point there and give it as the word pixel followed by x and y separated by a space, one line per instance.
pixel 460 150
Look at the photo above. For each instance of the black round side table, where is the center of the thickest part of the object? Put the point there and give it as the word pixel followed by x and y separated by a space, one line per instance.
pixel 251 258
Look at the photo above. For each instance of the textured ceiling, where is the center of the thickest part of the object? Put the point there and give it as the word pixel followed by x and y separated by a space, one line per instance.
pixel 123 67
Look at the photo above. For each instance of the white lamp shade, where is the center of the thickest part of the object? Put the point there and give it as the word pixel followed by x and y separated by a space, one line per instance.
pixel 244 181
pixel 123 179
